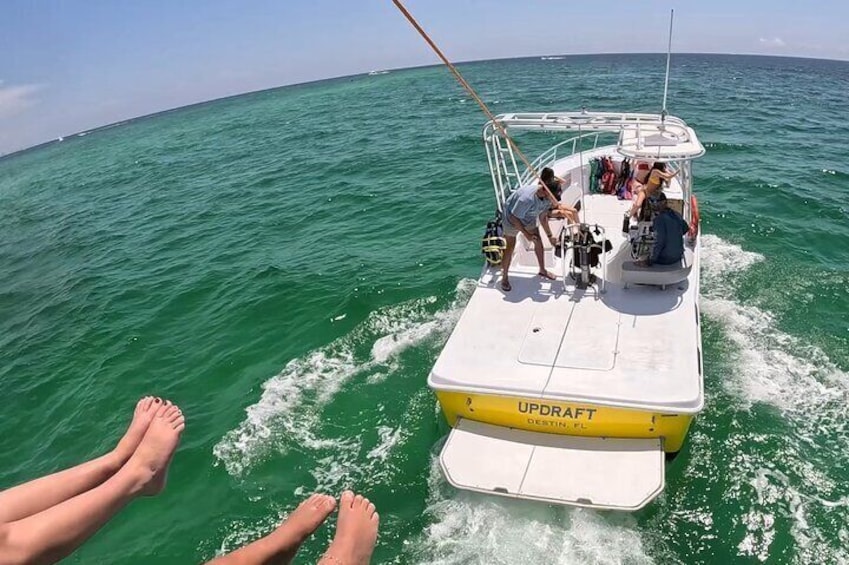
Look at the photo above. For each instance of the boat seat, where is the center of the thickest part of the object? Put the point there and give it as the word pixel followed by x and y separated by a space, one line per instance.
pixel 659 275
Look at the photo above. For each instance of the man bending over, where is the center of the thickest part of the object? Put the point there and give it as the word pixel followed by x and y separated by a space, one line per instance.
pixel 525 211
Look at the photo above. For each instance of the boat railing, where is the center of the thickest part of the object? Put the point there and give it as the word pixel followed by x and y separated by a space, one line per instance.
pixel 504 168
pixel 551 154
pixel 632 131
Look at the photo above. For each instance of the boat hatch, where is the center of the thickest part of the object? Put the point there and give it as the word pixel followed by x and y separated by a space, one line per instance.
pixel 606 473
pixel 559 335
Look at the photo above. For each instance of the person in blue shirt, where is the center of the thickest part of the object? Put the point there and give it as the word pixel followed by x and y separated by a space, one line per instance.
pixel 525 210
pixel 669 230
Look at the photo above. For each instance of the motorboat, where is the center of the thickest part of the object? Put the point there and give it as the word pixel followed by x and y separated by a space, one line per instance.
pixel 577 390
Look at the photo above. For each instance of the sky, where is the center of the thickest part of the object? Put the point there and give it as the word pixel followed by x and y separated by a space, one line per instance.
pixel 69 66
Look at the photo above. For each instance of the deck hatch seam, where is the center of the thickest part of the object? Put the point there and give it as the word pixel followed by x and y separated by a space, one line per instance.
pixel 527 467
pixel 557 353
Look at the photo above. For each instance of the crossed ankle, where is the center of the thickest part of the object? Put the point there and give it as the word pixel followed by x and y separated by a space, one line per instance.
pixel 114 460
pixel 134 479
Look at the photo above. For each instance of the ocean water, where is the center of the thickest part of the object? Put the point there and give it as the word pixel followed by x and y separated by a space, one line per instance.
pixel 286 265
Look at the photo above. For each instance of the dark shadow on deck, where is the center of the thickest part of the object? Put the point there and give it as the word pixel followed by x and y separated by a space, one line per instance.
pixel 645 300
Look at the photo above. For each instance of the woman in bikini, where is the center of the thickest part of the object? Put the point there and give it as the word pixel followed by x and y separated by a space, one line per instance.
pixel 654 182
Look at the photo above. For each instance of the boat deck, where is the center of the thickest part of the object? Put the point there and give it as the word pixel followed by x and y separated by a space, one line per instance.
pixel 635 347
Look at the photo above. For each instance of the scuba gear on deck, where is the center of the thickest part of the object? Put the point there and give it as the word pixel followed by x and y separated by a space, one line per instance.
pixel 493 242
pixel 587 245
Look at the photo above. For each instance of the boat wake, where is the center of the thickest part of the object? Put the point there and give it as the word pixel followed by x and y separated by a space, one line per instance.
pixel 469 528
pixel 774 483
pixel 288 411
pixel 770 366
pixel 766 368
pixel 795 383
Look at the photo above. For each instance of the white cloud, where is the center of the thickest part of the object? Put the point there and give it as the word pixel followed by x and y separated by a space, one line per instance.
pixel 773 42
pixel 16 99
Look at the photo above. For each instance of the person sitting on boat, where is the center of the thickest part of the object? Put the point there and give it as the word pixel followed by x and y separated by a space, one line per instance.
pixel 524 211
pixel 669 230
pixel 654 182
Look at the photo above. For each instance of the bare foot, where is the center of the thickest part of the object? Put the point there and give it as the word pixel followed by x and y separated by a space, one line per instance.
pixel 145 410
pixel 547 275
pixel 281 545
pixel 148 466
pixel 300 525
pixel 307 517
pixel 356 532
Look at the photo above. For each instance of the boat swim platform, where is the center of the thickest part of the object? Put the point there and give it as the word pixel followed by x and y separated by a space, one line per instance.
pixel 633 347
pixel 593 472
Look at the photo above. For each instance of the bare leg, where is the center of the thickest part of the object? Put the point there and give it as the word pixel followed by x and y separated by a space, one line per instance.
pixel 40 494
pixel 356 532
pixel 539 251
pixel 638 202
pixel 56 532
pixel 505 262
pixel 281 545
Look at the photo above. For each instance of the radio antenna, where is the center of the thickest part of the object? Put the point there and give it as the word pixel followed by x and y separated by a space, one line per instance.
pixel 668 57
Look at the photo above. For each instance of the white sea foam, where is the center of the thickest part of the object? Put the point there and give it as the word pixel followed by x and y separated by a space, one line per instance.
pixel 468 528
pixel 412 333
pixel 288 410
pixel 240 533
pixel 720 258
pixel 354 465
pixel 389 439
pixel 280 408
pixel 770 366
pixel 778 500
pixel 390 345
pixel 349 467
pixel 774 368
pixel 340 468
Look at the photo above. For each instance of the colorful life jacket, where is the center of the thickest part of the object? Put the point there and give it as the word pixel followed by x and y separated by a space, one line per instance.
pixel 595 175
pixel 608 178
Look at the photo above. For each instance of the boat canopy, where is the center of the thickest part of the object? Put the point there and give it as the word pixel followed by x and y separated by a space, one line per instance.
pixel 641 136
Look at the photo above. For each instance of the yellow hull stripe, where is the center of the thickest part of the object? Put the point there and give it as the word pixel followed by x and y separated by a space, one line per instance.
pixel 565 418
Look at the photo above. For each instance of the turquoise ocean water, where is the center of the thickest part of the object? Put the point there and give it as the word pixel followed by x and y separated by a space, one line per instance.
pixel 286 265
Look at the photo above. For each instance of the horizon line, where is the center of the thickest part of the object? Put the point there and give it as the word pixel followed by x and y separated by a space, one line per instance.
pixel 139 117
